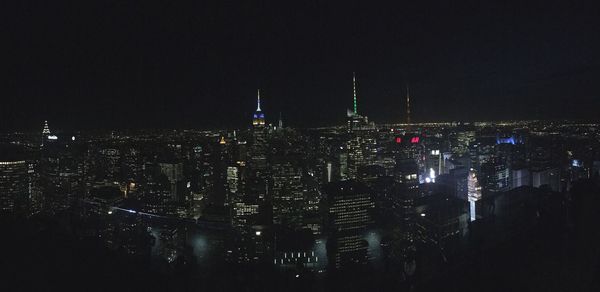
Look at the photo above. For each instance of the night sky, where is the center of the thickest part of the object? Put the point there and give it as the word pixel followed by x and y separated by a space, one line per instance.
pixel 197 64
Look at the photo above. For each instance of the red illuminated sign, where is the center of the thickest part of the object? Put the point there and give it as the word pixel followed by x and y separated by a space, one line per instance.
pixel 414 140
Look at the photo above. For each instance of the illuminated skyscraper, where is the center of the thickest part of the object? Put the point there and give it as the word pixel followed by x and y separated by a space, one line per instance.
pixel 45 132
pixel 474 194
pixel 355 155
pixel 14 180
pixel 258 159
pixel 288 199
pixel 232 182
pixel 358 126
pixel 259 117
pixel 354 91
pixel 495 175
pixel 356 121
pixel 174 173
pixel 348 213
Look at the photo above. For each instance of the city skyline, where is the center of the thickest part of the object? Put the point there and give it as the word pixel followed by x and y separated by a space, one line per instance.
pixel 312 146
pixel 196 65
pixel 351 110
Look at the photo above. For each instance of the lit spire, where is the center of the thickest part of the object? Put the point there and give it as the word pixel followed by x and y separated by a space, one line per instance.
pixel 407 105
pixel 354 90
pixel 280 121
pixel 258 102
pixel 46 130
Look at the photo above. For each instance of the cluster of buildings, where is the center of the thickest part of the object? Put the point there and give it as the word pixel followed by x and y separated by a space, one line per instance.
pixel 417 184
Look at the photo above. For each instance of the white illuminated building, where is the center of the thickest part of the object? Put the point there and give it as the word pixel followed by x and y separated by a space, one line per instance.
pixel 474 193
pixel 431 177
pixel 46 133
pixel 46 130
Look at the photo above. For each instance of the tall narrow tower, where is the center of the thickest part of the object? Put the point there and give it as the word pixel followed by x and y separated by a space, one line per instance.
pixel 354 90
pixel 259 116
pixel 45 132
pixel 280 123
pixel 258 101
pixel 258 158
pixel 407 105
pixel 473 193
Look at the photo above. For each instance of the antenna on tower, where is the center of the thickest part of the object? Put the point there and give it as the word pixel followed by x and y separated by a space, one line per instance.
pixel 46 130
pixel 354 90
pixel 258 101
pixel 280 121
pixel 407 105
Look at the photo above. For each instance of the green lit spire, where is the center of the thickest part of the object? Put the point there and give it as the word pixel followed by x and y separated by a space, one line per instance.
pixel 354 89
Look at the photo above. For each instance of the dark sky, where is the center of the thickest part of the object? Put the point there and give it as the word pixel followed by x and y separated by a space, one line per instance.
pixel 197 64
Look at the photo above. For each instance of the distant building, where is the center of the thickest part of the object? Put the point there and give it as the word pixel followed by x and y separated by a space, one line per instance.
pixel 495 176
pixel 456 182
pixel 174 173
pixel 14 180
pixel 348 207
pixel 520 177
pixel 406 172
pixel 474 195
pixel 442 217
pixel 288 199
pixel 258 157
pixel 546 177
pixel 462 142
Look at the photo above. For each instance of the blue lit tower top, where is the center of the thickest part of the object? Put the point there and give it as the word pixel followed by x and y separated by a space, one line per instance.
pixel 259 117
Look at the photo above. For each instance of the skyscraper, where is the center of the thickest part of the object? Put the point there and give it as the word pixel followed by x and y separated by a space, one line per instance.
pixel 258 160
pixel 45 132
pixel 474 194
pixel 348 213
pixel 354 91
pixel 355 120
pixel 288 199
pixel 259 116
pixel 14 180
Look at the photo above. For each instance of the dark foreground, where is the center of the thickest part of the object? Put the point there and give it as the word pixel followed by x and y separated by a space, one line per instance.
pixel 555 255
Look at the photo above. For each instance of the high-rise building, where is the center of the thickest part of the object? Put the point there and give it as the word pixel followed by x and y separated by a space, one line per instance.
pixel 356 122
pixel 174 173
pixel 520 177
pixel 355 155
pixel 548 176
pixel 288 199
pixel 406 172
pixel 14 180
pixel 232 182
pixel 348 208
pixel 463 140
pixel 474 194
pixel 45 132
pixel 457 182
pixel 62 174
pixel 496 175
pixel 258 158
pixel 259 116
